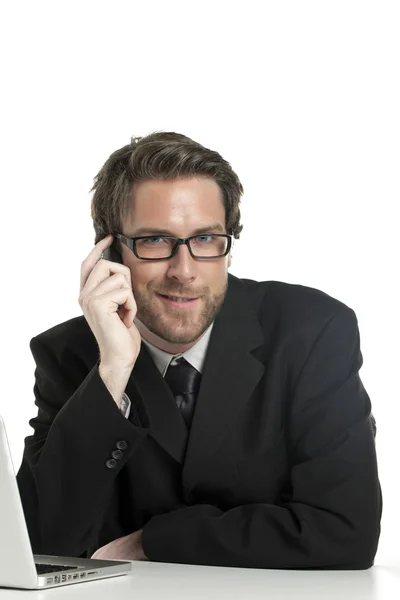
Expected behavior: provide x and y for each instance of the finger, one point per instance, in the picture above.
(106, 281)
(93, 257)
(123, 304)
(104, 271)
(127, 311)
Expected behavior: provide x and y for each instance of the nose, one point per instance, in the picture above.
(182, 266)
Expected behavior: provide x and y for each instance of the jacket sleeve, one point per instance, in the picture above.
(64, 481)
(330, 518)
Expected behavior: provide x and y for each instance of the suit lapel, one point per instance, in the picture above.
(147, 387)
(229, 377)
(167, 426)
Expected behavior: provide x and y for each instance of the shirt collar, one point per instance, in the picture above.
(195, 355)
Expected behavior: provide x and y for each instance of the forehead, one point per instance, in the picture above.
(176, 199)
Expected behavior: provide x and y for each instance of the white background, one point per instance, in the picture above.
(302, 98)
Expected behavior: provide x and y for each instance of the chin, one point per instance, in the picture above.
(177, 334)
(171, 335)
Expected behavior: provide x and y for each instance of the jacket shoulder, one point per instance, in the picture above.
(70, 343)
(292, 301)
(69, 330)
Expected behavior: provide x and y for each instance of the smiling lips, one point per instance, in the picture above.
(178, 301)
(178, 298)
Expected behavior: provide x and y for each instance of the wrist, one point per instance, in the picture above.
(115, 367)
(115, 378)
(141, 554)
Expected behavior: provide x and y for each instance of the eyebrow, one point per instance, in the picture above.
(150, 230)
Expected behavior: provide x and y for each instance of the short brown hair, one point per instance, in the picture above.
(164, 156)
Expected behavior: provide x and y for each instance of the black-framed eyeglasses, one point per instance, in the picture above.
(213, 245)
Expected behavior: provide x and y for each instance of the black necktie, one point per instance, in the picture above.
(184, 381)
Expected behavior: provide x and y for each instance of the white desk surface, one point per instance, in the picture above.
(170, 581)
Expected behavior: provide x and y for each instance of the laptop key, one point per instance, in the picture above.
(41, 568)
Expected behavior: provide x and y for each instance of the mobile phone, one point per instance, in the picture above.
(113, 253)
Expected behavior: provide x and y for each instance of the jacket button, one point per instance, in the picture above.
(122, 445)
(117, 454)
(111, 463)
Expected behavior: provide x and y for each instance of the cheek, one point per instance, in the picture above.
(213, 282)
(148, 279)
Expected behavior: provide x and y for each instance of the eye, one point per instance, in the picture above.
(150, 240)
(204, 236)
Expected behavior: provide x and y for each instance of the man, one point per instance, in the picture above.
(265, 459)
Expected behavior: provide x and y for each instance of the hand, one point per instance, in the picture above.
(128, 547)
(105, 289)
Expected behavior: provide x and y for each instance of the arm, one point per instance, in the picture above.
(64, 483)
(331, 517)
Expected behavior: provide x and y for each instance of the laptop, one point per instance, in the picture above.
(19, 567)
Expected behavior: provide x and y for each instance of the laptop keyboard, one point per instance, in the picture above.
(42, 569)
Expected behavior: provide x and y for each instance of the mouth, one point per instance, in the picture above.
(181, 303)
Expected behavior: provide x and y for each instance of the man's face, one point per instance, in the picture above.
(179, 207)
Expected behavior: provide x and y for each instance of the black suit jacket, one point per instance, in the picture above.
(278, 470)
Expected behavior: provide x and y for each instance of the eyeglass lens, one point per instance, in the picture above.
(202, 246)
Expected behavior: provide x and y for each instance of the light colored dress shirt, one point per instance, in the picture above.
(195, 356)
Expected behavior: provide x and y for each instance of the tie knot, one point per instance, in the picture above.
(182, 378)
